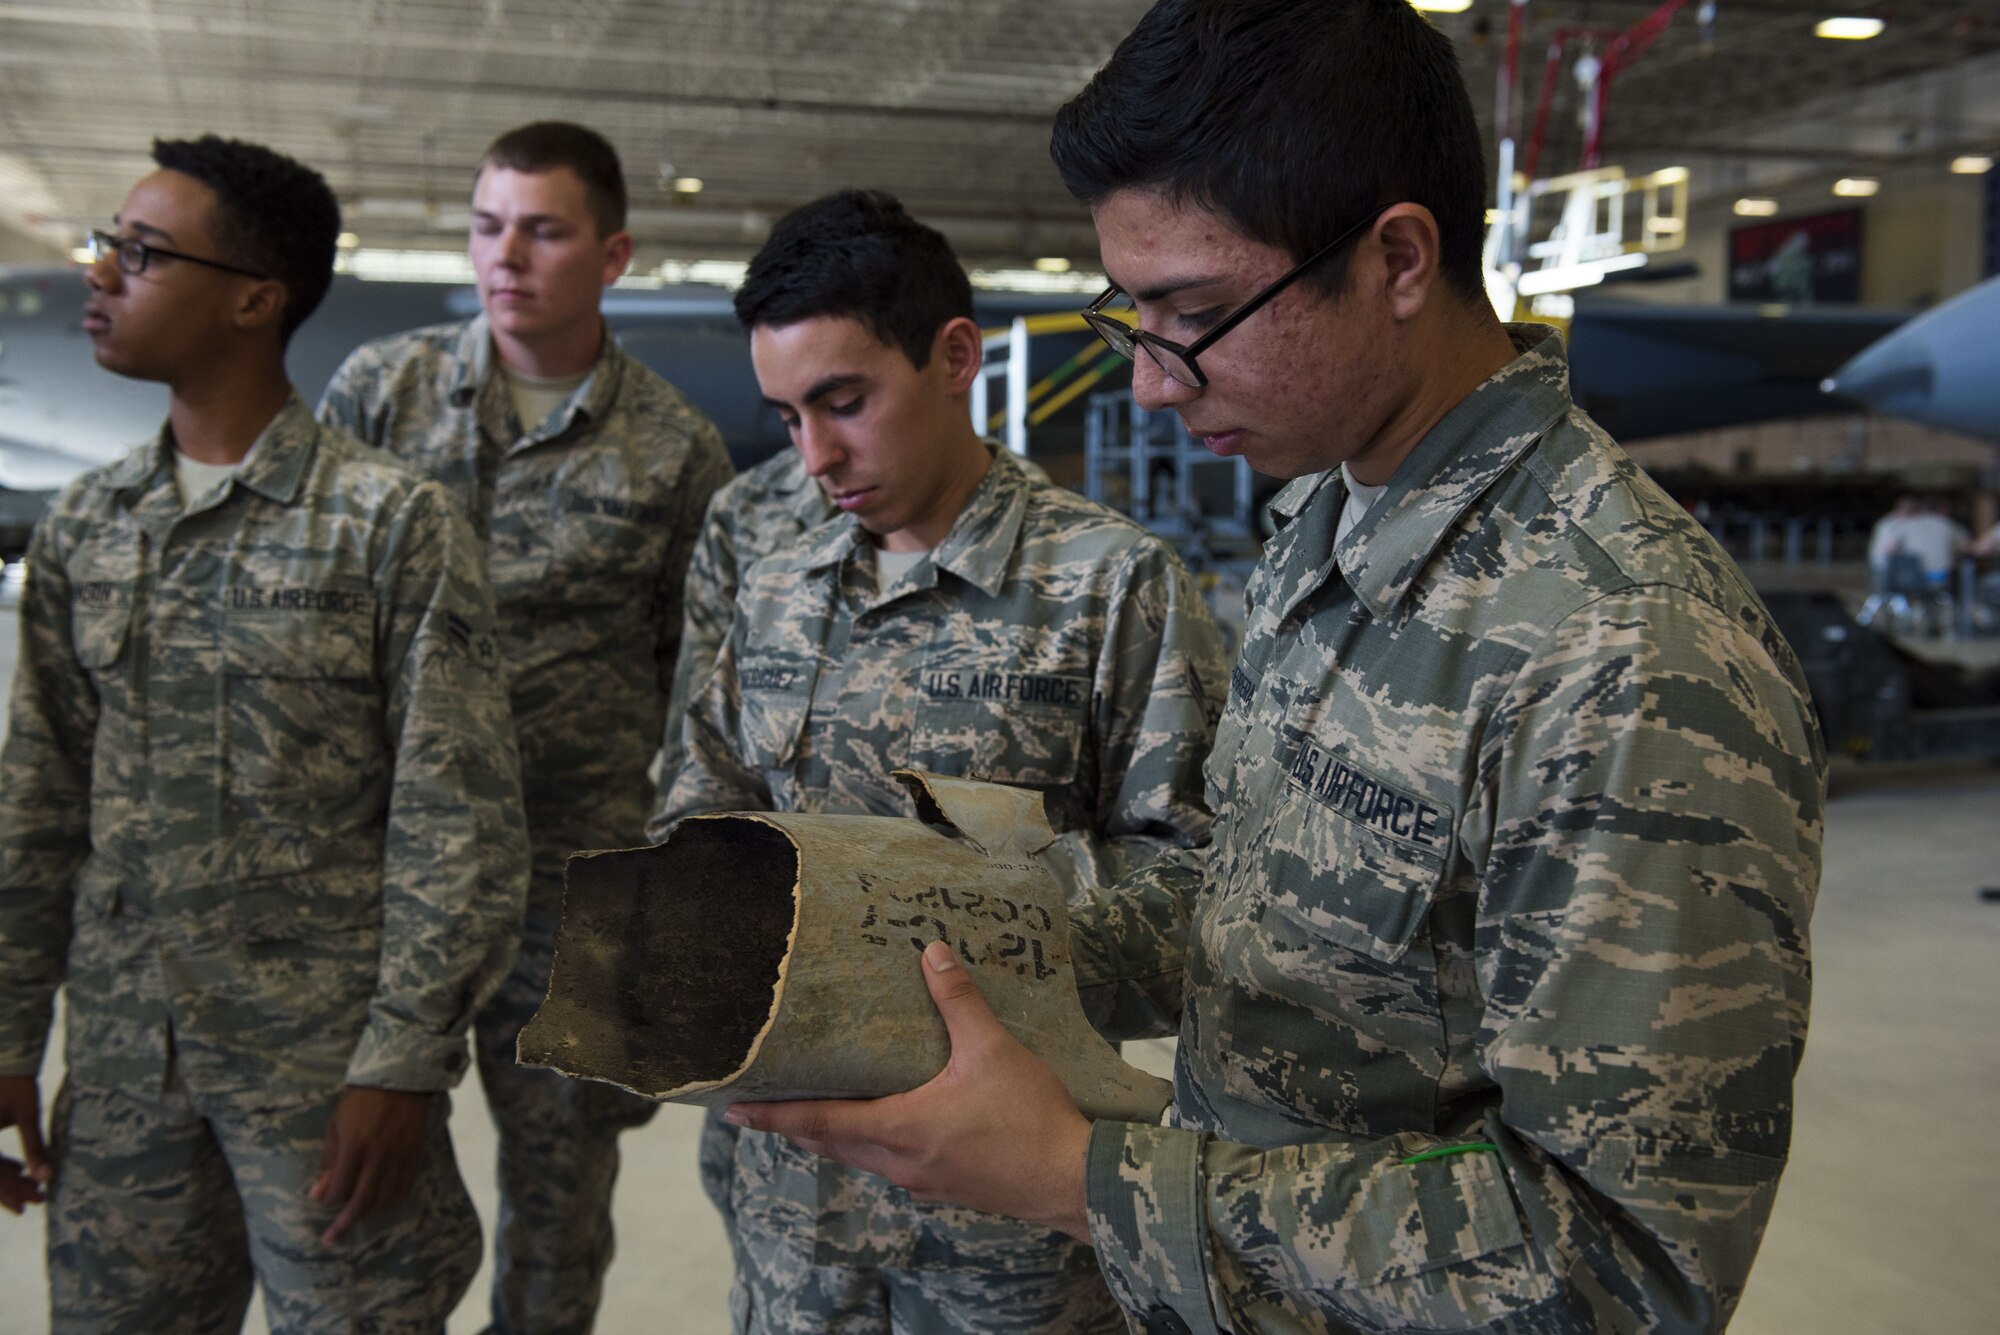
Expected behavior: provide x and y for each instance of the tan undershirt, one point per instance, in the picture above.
(535, 397)
(197, 481)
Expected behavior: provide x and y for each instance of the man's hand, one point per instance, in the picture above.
(22, 1180)
(995, 1130)
(375, 1144)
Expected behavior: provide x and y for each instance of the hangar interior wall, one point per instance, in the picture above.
(20, 248)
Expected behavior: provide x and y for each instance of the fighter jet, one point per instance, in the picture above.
(1941, 368)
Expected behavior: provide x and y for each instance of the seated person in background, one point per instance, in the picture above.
(1921, 528)
(953, 615)
(1885, 539)
(260, 810)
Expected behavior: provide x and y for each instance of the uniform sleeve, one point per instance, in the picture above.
(708, 602)
(1129, 945)
(344, 404)
(455, 871)
(706, 471)
(1155, 699)
(1159, 694)
(712, 775)
(44, 806)
(1648, 837)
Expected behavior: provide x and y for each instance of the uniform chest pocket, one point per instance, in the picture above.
(100, 606)
(302, 703)
(1352, 856)
(1331, 1017)
(772, 725)
(1024, 729)
(98, 634)
(602, 550)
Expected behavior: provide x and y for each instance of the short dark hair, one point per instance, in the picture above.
(858, 255)
(546, 145)
(1292, 119)
(272, 214)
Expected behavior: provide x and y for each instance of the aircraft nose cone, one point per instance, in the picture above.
(1887, 372)
(1942, 368)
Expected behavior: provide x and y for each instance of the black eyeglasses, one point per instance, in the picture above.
(1177, 359)
(134, 255)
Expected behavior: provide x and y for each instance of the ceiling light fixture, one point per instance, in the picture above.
(1756, 208)
(687, 185)
(1035, 280)
(1972, 164)
(1052, 264)
(1848, 29)
(347, 240)
(1441, 6)
(405, 266)
(1856, 187)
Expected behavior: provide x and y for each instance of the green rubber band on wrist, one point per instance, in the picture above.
(1446, 1151)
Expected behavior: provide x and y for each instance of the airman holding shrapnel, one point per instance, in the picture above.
(1492, 983)
(954, 615)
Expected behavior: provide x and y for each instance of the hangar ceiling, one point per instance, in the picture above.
(946, 102)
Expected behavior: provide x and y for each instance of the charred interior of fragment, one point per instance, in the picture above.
(668, 962)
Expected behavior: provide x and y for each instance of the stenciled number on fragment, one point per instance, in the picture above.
(984, 928)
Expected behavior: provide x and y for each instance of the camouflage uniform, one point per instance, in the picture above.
(1046, 642)
(1518, 812)
(755, 514)
(260, 814)
(588, 518)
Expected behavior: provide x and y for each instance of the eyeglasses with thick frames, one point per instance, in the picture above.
(134, 255)
(1177, 360)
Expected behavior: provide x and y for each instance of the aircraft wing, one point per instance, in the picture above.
(1647, 370)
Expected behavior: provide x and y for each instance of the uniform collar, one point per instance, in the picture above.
(802, 496)
(980, 546)
(478, 382)
(138, 467)
(274, 468)
(1451, 467)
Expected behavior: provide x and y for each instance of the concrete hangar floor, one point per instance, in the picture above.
(1885, 1220)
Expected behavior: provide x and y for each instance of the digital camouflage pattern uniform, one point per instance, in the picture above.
(765, 508)
(588, 518)
(755, 513)
(1518, 805)
(1046, 642)
(758, 512)
(260, 815)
